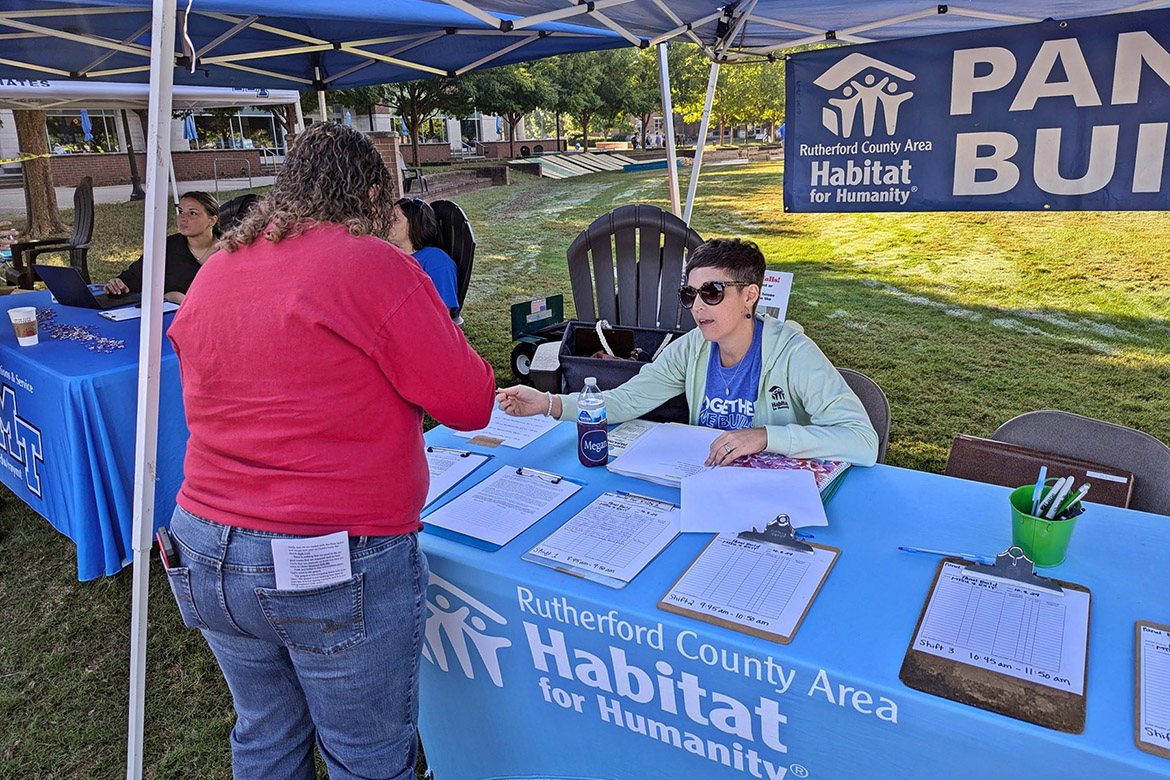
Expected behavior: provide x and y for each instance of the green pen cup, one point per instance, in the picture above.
(1044, 541)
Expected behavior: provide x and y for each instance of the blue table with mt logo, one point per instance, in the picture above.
(68, 432)
(532, 673)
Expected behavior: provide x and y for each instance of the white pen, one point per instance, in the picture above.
(1051, 494)
(1071, 502)
(1056, 502)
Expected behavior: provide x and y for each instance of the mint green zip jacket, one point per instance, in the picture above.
(805, 405)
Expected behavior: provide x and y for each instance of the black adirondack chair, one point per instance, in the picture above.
(457, 239)
(627, 267)
(25, 253)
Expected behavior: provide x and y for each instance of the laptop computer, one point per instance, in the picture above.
(70, 289)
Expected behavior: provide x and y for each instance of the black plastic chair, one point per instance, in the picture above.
(651, 247)
(457, 239)
(877, 406)
(411, 175)
(232, 211)
(525, 151)
(25, 253)
(1076, 436)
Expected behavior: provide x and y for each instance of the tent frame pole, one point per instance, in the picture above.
(712, 80)
(158, 153)
(668, 128)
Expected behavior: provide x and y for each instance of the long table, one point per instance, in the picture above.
(529, 672)
(68, 431)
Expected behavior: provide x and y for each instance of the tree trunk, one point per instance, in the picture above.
(585, 132)
(415, 121)
(513, 119)
(645, 121)
(558, 131)
(40, 199)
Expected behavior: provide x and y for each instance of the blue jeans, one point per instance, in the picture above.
(338, 663)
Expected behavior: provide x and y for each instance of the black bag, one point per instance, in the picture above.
(580, 344)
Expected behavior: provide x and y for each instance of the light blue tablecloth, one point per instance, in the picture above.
(68, 432)
(529, 672)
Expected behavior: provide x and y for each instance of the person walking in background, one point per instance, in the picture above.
(309, 351)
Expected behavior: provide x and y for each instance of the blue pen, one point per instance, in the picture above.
(1038, 490)
(988, 559)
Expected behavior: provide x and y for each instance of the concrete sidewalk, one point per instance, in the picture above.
(12, 200)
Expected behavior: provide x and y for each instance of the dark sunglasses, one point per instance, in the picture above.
(710, 292)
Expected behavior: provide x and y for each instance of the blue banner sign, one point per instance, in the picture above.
(1066, 115)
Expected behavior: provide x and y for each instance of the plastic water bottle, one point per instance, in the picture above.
(592, 435)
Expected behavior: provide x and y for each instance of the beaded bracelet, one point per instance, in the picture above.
(549, 412)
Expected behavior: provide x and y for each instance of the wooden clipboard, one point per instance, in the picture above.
(999, 693)
(746, 629)
(1137, 694)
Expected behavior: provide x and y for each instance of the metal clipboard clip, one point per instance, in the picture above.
(641, 499)
(780, 533)
(436, 448)
(547, 476)
(1017, 568)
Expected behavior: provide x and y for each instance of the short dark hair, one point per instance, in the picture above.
(421, 222)
(743, 259)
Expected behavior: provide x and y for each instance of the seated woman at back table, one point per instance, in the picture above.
(761, 381)
(187, 250)
(414, 229)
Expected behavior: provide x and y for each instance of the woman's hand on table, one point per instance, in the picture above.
(524, 401)
(735, 444)
(116, 287)
(174, 296)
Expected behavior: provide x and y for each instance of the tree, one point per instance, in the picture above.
(643, 98)
(574, 79)
(510, 92)
(40, 199)
(414, 101)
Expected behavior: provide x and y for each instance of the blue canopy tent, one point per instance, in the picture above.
(305, 44)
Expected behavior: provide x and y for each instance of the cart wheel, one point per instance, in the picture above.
(522, 355)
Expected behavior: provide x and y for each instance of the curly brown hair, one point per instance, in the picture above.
(332, 174)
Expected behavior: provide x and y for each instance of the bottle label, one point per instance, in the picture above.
(593, 444)
(591, 416)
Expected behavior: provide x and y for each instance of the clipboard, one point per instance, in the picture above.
(1148, 747)
(484, 544)
(779, 533)
(587, 572)
(998, 692)
(431, 448)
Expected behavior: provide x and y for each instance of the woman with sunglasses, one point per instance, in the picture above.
(761, 381)
(309, 350)
(414, 229)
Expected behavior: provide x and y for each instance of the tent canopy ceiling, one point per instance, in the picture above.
(307, 44)
(49, 95)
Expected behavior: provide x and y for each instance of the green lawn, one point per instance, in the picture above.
(964, 319)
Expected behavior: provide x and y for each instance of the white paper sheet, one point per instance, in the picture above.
(1154, 661)
(754, 584)
(311, 563)
(667, 454)
(134, 312)
(501, 507)
(512, 431)
(730, 500)
(614, 537)
(1022, 632)
(622, 436)
(448, 468)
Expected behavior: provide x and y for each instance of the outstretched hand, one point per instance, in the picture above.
(524, 401)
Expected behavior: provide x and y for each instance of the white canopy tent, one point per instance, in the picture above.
(310, 45)
(51, 94)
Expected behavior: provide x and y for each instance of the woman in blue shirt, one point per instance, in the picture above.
(414, 229)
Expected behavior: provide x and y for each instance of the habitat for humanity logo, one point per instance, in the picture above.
(858, 93)
(458, 616)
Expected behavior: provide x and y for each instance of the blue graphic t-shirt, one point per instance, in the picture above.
(729, 402)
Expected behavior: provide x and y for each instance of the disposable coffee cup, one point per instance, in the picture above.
(1044, 541)
(24, 322)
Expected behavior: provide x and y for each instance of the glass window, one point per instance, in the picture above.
(433, 130)
(66, 135)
